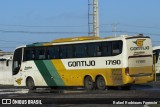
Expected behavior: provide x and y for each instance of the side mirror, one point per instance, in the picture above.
(7, 62)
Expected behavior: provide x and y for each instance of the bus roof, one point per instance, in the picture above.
(72, 39)
(79, 40)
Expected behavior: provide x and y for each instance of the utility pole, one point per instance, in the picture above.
(93, 18)
(114, 29)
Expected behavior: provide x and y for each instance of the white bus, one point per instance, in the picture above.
(89, 62)
(156, 52)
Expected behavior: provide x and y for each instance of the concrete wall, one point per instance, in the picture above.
(6, 71)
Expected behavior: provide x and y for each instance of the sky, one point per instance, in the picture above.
(29, 21)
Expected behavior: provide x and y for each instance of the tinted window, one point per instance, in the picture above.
(70, 51)
(97, 49)
(94, 49)
(91, 50)
(106, 49)
(63, 52)
(66, 52)
(116, 47)
(27, 54)
(80, 50)
(30, 54)
(40, 53)
(52, 52)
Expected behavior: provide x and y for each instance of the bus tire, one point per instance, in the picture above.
(88, 83)
(30, 84)
(100, 83)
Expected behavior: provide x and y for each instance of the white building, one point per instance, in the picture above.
(6, 68)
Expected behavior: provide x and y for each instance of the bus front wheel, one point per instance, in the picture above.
(100, 83)
(88, 83)
(30, 83)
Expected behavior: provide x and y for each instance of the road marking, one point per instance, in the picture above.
(13, 91)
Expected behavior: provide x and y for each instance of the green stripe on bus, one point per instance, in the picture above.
(45, 73)
(36, 44)
(53, 72)
(49, 73)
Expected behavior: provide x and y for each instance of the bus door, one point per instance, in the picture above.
(17, 60)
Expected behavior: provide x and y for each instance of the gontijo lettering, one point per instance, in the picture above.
(139, 48)
(81, 63)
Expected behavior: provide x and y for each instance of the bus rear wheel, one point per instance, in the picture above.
(88, 83)
(30, 83)
(100, 83)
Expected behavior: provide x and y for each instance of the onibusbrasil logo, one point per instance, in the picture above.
(21, 101)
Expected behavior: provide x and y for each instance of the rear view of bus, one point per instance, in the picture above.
(140, 60)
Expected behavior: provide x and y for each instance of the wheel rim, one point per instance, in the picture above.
(88, 83)
(101, 83)
(30, 83)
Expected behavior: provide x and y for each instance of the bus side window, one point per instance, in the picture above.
(116, 47)
(98, 49)
(52, 52)
(94, 50)
(69, 51)
(47, 55)
(33, 54)
(63, 52)
(91, 50)
(106, 49)
(41, 53)
(80, 50)
(27, 54)
(55, 52)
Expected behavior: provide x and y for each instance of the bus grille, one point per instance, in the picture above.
(117, 77)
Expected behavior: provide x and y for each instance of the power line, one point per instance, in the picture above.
(37, 32)
(118, 24)
(13, 41)
(130, 32)
(40, 25)
(138, 26)
(8, 47)
(135, 26)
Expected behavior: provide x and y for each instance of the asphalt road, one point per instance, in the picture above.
(139, 95)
